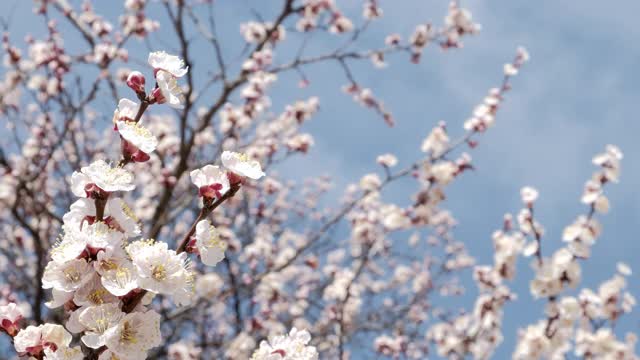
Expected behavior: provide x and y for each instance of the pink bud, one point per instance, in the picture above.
(130, 151)
(140, 156)
(191, 246)
(233, 178)
(156, 94)
(136, 81)
(211, 191)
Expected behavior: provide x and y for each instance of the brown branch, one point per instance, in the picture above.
(185, 151)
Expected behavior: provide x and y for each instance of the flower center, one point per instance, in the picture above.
(71, 274)
(107, 265)
(243, 157)
(128, 333)
(214, 239)
(123, 276)
(159, 272)
(97, 296)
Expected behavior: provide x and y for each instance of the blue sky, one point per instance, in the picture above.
(577, 94)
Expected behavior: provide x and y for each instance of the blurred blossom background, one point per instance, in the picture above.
(578, 93)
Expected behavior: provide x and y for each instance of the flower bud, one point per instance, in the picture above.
(211, 191)
(157, 96)
(136, 81)
(233, 177)
(130, 151)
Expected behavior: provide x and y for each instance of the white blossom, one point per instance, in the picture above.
(59, 298)
(341, 24)
(370, 182)
(241, 346)
(171, 92)
(138, 136)
(437, 142)
(295, 346)
(97, 320)
(134, 335)
(172, 64)
(208, 285)
(34, 339)
(102, 175)
(210, 247)
(510, 69)
(126, 111)
(253, 32)
(117, 272)
(610, 162)
(211, 181)
(73, 243)
(93, 293)
(528, 194)
(122, 217)
(183, 350)
(64, 353)
(242, 165)
(159, 269)
(623, 268)
(387, 160)
(67, 276)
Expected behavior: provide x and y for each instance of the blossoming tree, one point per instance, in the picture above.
(182, 243)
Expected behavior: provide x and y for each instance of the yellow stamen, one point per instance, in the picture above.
(128, 333)
(159, 272)
(97, 296)
(127, 211)
(71, 274)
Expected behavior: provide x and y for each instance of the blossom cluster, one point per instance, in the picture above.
(131, 271)
(293, 346)
(577, 322)
(98, 269)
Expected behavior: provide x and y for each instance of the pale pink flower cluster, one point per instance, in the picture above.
(50, 339)
(279, 263)
(256, 32)
(283, 132)
(96, 272)
(483, 116)
(315, 10)
(390, 346)
(295, 346)
(437, 142)
(570, 324)
(458, 23)
(422, 35)
(183, 350)
(91, 272)
(577, 322)
(167, 69)
(371, 10)
(478, 333)
(134, 20)
(100, 177)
